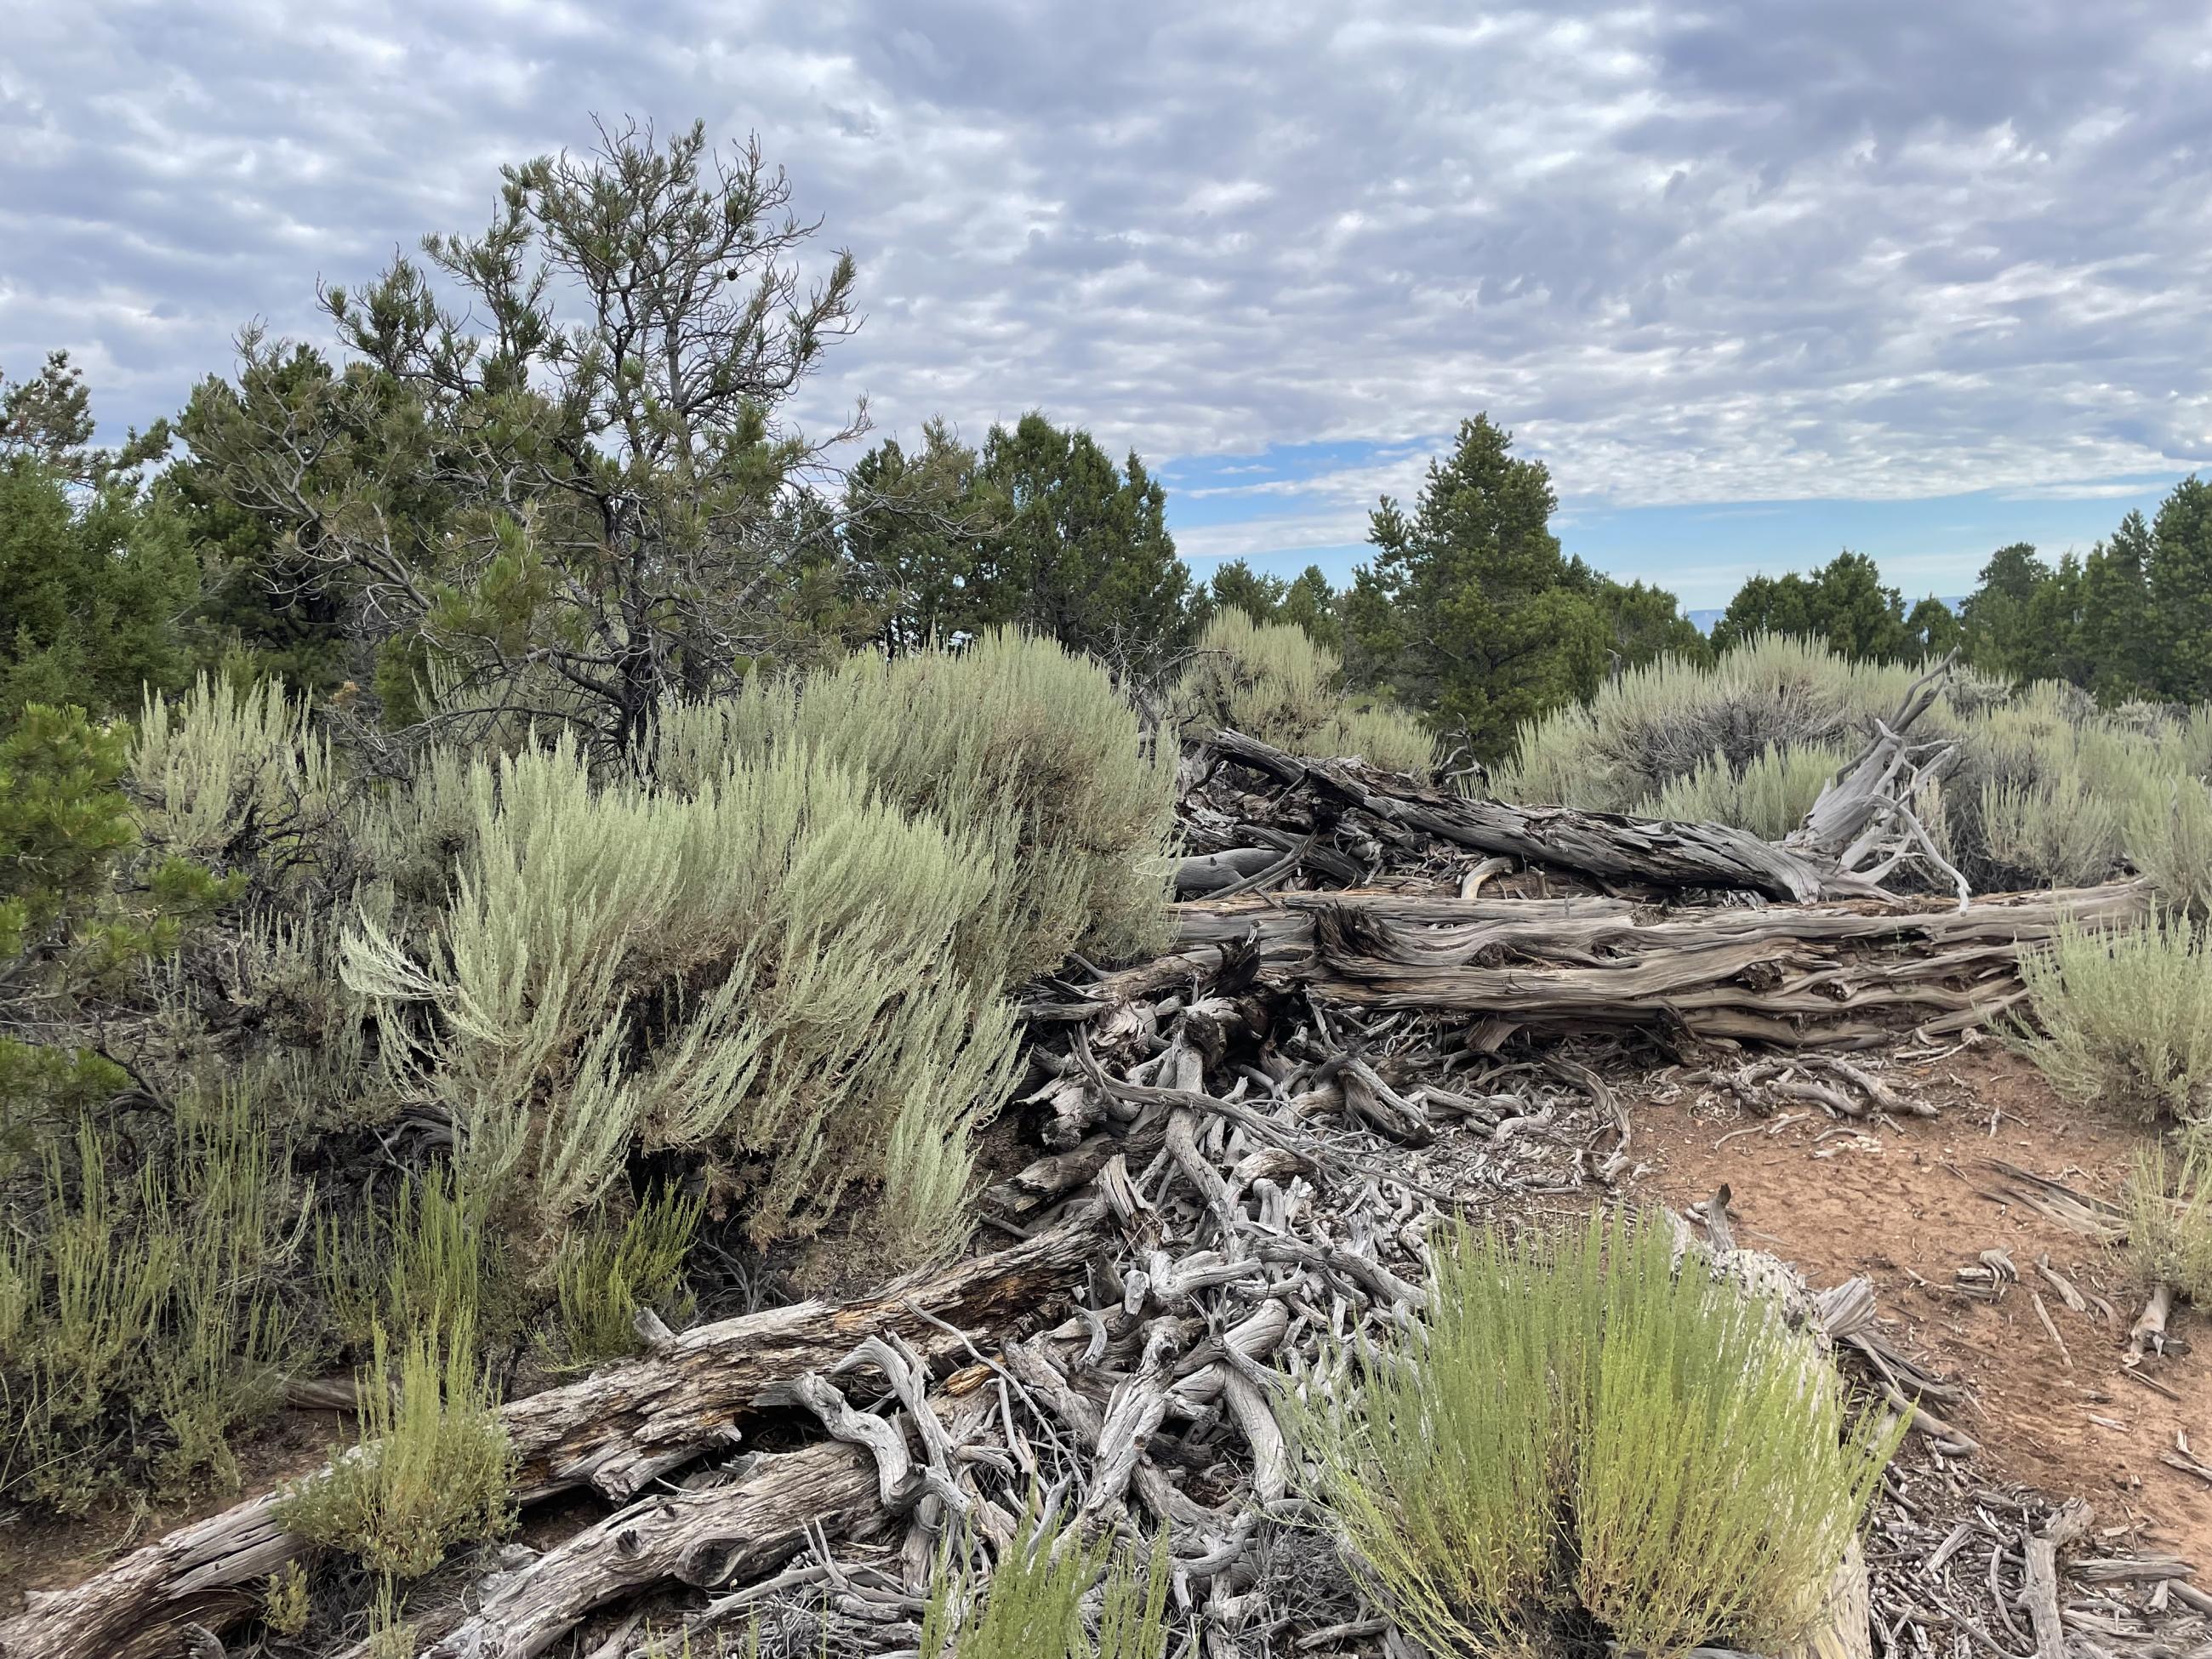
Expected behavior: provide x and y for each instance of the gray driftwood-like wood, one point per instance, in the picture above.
(613, 1430)
(1838, 974)
(709, 1539)
(1610, 846)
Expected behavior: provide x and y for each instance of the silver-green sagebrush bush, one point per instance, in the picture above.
(2124, 1017)
(1272, 682)
(2047, 789)
(765, 969)
(1013, 745)
(2169, 1240)
(1577, 1428)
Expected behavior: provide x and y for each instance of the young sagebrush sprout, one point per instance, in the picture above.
(284, 1602)
(1034, 1602)
(1574, 1428)
(434, 1467)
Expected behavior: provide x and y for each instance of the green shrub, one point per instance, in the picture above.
(1666, 719)
(1015, 745)
(605, 1273)
(64, 819)
(434, 1467)
(1575, 1423)
(286, 1604)
(774, 966)
(423, 1262)
(2170, 1225)
(140, 1318)
(1768, 796)
(2169, 840)
(1033, 1604)
(2125, 1017)
(1272, 682)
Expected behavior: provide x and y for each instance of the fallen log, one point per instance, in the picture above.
(720, 1536)
(1610, 846)
(613, 1430)
(1791, 974)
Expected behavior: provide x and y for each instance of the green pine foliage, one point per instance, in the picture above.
(1469, 611)
(1844, 602)
(64, 819)
(1575, 1424)
(95, 582)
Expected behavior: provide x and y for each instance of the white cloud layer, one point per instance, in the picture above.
(1743, 251)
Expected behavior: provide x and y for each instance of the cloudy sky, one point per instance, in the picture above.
(1757, 281)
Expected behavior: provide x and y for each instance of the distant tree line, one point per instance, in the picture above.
(468, 508)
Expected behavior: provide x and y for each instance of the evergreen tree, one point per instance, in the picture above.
(1082, 553)
(2115, 630)
(97, 579)
(619, 517)
(1932, 629)
(914, 535)
(1309, 603)
(1843, 601)
(2052, 649)
(1643, 622)
(267, 591)
(1765, 605)
(1236, 584)
(1998, 617)
(1468, 610)
(2179, 578)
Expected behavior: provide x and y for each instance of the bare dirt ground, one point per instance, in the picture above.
(1907, 1204)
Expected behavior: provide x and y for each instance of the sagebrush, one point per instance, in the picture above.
(1272, 681)
(2124, 1017)
(1576, 1424)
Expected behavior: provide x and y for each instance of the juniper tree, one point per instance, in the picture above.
(1467, 611)
(595, 390)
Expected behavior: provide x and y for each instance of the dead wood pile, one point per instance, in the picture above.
(1245, 1146)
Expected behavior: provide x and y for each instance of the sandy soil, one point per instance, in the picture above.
(1907, 1205)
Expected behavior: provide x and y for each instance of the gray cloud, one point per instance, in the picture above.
(1754, 251)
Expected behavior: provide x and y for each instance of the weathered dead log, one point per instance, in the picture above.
(708, 1538)
(614, 1429)
(2040, 1592)
(1208, 872)
(1789, 974)
(1610, 846)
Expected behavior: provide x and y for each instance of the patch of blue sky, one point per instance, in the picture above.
(1294, 505)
